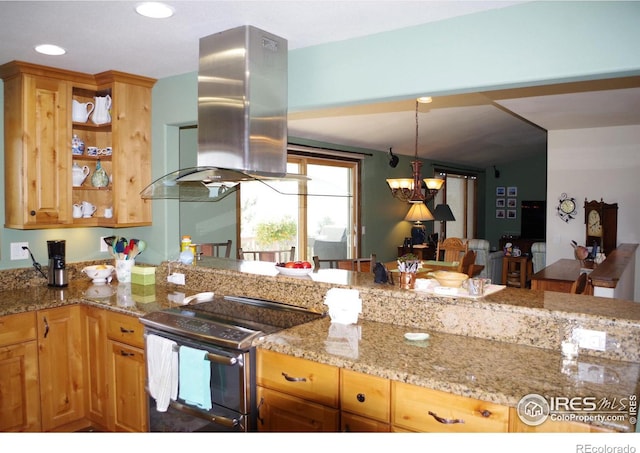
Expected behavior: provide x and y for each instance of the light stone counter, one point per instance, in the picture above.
(498, 348)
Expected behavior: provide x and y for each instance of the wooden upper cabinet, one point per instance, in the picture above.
(38, 159)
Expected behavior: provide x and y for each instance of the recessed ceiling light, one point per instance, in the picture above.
(50, 49)
(425, 100)
(154, 10)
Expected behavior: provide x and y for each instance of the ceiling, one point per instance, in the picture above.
(479, 129)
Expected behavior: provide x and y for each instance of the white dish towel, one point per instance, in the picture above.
(162, 367)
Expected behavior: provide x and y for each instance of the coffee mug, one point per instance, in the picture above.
(92, 150)
(108, 213)
(88, 209)
(77, 211)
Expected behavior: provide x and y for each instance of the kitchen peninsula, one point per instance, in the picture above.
(493, 350)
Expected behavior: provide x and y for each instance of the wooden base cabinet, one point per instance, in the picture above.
(550, 426)
(365, 402)
(296, 394)
(62, 390)
(19, 384)
(126, 374)
(421, 409)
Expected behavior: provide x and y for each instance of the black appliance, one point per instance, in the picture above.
(533, 219)
(225, 329)
(57, 272)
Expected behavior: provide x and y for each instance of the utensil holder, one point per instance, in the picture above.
(123, 270)
(407, 280)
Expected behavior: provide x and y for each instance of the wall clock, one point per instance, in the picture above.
(567, 207)
(601, 224)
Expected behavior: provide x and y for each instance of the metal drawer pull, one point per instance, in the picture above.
(123, 330)
(445, 421)
(215, 358)
(46, 327)
(485, 413)
(360, 397)
(126, 354)
(293, 379)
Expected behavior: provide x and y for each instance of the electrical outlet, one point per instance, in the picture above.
(104, 247)
(17, 252)
(591, 339)
(176, 278)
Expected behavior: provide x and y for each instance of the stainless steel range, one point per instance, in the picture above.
(224, 330)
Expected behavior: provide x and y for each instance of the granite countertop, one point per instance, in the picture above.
(487, 370)
(482, 349)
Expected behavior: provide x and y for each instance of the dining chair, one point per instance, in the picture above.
(467, 263)
(453, 249)
(216, 249)
(274, 256)
(580, 285)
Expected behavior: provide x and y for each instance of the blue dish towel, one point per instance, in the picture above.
(195, 377)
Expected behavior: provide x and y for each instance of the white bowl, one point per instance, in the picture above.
(292, 271)
(99, 272)
(203, 297)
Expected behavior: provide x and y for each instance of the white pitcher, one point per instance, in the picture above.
(80, 111)
(101, 113)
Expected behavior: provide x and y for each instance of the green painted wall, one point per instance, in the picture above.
(529, 44)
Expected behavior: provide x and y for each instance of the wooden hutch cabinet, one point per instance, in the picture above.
(38, 158)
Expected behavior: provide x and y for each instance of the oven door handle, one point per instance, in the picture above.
(223, 421)
(216, 358)
(223, 360)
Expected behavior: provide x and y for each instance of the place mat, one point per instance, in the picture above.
(432, 287)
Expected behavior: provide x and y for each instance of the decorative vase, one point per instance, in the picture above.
(99, 177)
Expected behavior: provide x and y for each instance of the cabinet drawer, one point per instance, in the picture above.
(17, 328)
(126, 329)
(355, 424)
(299, 377)
(365, 395)
(418, 409)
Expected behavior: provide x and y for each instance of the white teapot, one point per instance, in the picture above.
(101, 111)
(79, 174)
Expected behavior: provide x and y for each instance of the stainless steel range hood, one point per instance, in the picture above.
(242, 117)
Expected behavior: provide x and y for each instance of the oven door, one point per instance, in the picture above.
(232, 393)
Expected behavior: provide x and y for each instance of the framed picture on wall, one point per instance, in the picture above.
(500, 203)
(512, 202)
(500, 192)
(512, 191)
(511, 213)
(499, 213)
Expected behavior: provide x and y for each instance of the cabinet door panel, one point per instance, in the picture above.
(127, 376)
(279, 412)
(60, 360)
(19, 389)
(96, 356)
(366, 395)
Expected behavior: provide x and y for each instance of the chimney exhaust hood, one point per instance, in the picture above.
(242, 118)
